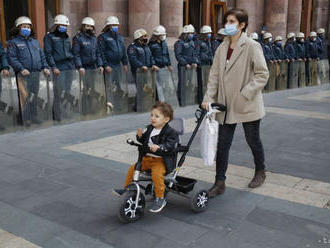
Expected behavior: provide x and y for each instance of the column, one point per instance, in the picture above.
(38, 19)
(144, 14)
(99, 10)
(255, 10)
(171, 16)
(294, 16)
(276, 16)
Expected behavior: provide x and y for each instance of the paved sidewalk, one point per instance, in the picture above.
(55, 184)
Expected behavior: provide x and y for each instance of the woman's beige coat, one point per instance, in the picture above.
(238, 83)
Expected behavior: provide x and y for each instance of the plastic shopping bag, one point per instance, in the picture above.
(209, 138)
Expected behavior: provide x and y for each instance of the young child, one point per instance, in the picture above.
(161, 158)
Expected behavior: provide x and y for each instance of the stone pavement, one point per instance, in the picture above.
(55, 184)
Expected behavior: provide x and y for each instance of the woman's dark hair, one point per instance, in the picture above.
(165, 108)
(16, 31)
(153, 38)
(183, 36)
(240, 14)
(82, 29)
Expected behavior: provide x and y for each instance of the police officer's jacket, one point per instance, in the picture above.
(112, 49)
(139, 55)
(301, 50)
(25, 53)
(312, 51)
(205, 53)
(86, 52)
(215, 44)
(186, 52)
(290, 50)
(279, 53)
(160, 53)
(58, 50)
(3, 59)
(268, 51)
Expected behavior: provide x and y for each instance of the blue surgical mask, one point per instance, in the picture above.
(62, 29)
(26, 32)
(209, 36)
(279, 44)
(191, 36)
(231, 29)
(114, 29)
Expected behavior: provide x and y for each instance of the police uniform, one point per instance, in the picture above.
(215, 44)
(186, 54)
(139, 56)
(279, 53)
(300, 50)
(4, 64)
(25, 53)
(290, 50)
(268, 51)
(160, 53)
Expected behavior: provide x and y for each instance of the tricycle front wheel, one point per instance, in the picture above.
(127, 212)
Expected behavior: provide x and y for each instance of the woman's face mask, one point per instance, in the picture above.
(163, 37)
(26, 32)
(279, 44)
(231, 29)
(62, 29)
(114, 29)
(209, 36)
(191, 36)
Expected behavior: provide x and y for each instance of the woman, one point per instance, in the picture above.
(237, 77)
(25, 56)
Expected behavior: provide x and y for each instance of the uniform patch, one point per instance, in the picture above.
(131, 50)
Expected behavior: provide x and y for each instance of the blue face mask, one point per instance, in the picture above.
(191, 36)
(62, 29)
(114, 29)
(26, 32)
(279, 44)
(209, 36)
(231, 29)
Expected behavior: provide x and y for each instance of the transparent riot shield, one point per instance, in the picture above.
(270, 86)
(92, 95)
(301, 74)
(187, 86)
(166, 89)
(67, 95)
(278, 75)
(323, 71)
(9, 109)
(116, 91)
(283, 83)
(33, 98)
(293, 75)
(313, 72)
(146, 90)
(205, 76)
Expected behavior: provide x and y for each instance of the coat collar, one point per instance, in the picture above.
(236, 53)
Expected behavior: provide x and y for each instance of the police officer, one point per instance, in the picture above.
(321, 43)
(87, 57)
(140, 56)
(59, 56)
(289, 47)
(267, 47)
(279, 54)
(205, 57)
(25, 56)
(113, 52)
(218, 40)
(159, 48)
(312, 48)
(300, 47)
(4, 69)
(185, 53)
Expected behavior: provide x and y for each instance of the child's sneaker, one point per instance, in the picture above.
(158, 205)
(118, 192)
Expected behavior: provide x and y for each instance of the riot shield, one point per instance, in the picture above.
(166, 89)
(66, 96)
(278, 75)
(301, 74)
(313, 72)
(92, 100)
(323, 71)
(146, 90)
(9, 109)
(205, 76)
(283, 83)
(33, 98)
(187, 86)
(116, 91)
(270, 86)
(293, 75)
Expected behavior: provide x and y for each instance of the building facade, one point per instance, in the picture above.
(276, 16)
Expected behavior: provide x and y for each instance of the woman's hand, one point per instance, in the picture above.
(139, 132)
(154, 148)
(205, 105)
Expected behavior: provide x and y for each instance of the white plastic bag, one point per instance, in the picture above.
(209, 137)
